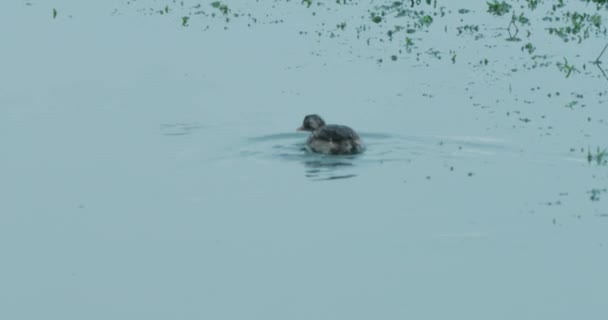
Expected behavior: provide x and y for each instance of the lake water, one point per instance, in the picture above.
(150, 166)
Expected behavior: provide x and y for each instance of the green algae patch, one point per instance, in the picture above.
(498, 8)
(599, 157)
(376, 18)
(220, 6)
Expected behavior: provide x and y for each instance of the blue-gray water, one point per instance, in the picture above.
(152, 171)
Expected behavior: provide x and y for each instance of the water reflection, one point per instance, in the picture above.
(328, 167)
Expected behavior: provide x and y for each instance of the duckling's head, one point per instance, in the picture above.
(311, 122)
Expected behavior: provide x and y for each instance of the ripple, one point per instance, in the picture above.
(381, 148)
(291, 147)
(277, 137)
(179, 129)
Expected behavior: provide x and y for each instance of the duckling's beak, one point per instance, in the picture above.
(300, 128)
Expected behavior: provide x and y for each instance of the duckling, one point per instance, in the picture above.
(330, 139)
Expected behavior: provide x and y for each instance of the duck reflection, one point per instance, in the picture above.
(330, 168)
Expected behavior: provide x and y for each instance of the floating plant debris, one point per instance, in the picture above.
(600, 157)
(220, 6)
(498, 8)
(567, 68)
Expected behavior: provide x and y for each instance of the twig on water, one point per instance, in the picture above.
(513, 37)
(598, 63)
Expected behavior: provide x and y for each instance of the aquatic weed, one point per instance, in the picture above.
(600, 157)
(185, 21)
(599, 3)
(578, 26)
(376, 18)
(567, 68)
(528, 47)
(220, 6)
(498, 8)
(596, 20)
(409, 44)
(595, 193)
(523, 20)
(54, 13)
(560, 4)
(390, 33)
(568, 23)
(425, 21)
(471, 28)
(571, 104)
(532, 4)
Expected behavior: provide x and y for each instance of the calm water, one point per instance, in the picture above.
(152, 171)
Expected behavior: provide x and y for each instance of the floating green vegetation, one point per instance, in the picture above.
(599, 3)
(415, 19)
(469, 28)
(434, 53)
(54, 13)
(376, 18)
(409, 44)
(532, 4)
(498, 8)
(523, 20)
(220, 6)
(600, 157)
(529, 47)
(540, 60)
(425, 21)
(560, 4)
(571, 104)
(595, 193)
(382, 21)
(567, 68)
(390, 33)
(579, 26)
(596, 20)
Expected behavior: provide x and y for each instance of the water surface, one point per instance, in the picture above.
(152, 170)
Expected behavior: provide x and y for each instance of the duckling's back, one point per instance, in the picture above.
(335, 139)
